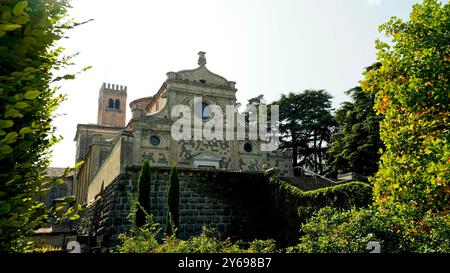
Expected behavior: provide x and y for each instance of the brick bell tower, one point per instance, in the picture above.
(112, 101)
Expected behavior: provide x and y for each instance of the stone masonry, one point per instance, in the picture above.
(202, 203)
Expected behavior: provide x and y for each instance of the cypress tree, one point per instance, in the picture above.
(143, 185)
(173, 202)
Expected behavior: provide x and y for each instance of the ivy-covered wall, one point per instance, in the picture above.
(291, 207)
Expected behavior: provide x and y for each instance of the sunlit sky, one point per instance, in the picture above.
(267, 47)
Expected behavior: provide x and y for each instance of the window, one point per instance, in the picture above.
(53, 194)
(206, 114)
(203, 111)
(111, 103)
(117, 104)
(248, 147)
(154, 140)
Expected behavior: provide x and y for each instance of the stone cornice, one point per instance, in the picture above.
(200, 84)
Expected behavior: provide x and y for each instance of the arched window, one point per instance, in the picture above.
(117, 104)
(202, 111)
(206, 114)
(111, 103)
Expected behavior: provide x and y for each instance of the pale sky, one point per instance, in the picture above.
(266, 46)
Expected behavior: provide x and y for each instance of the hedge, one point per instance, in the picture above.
(291, 207)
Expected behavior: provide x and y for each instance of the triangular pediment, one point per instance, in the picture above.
(207, 157)
(201, 75)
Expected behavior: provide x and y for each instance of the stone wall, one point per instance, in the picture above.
(197, 209)
(228, 202)
(105, 218)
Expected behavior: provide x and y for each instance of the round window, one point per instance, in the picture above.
(154, 140)
(248, 147)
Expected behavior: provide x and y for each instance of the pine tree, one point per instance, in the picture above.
(355, 146)
(143, 185)
(173, 201)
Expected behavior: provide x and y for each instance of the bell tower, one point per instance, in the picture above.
(112, 101)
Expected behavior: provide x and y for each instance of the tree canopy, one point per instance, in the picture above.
(306, 124)
(412, 92)
(356, 145)
(144, 188)
(28, 60)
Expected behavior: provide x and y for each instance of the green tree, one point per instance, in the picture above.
(144, 187)
(411, 187)
(412, 92)
(254, 102)
(306, 124)
(355, 146)
(173, 202)
(28, 59)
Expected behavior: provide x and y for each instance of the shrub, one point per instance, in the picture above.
(206, 242)
(143, 240)
(262, 246)
(173, 202)
(46, 249)
(350, 231)
(292, 207)
(139, 239)
(143, 185)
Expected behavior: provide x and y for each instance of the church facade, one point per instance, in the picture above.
(110, 147)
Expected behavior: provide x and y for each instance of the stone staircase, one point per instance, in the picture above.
(309, 180)
(308, 183)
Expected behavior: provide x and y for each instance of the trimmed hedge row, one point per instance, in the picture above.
(291, 207)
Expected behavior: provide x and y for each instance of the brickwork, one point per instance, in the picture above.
(112, 105)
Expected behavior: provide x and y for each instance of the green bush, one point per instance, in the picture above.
(262, 246)
(139, 239)
(143, 185)
(143, 240)
(173, 202)
(292, 207)
(206, 242)
(350, 231)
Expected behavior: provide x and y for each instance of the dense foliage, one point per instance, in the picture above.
(143, 185)
(28, 59)
(350, 232)
(207, 242)
(306, 125)
(146, 239)
(412, 92)
(252, 108)
(140, 238)
(411, 188)
(355, 146)
(292, 207)
(173, 203)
